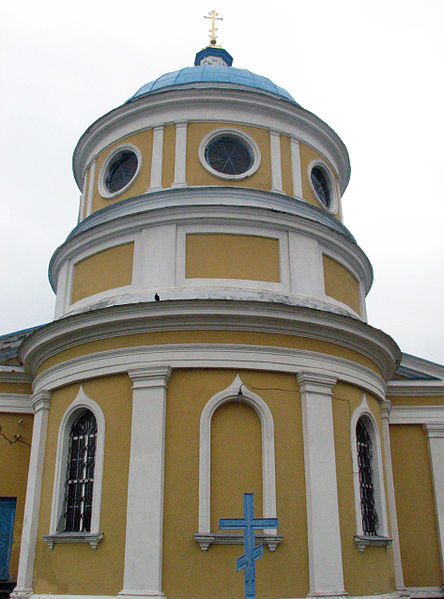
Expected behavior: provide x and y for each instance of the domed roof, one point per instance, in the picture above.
(213, 74)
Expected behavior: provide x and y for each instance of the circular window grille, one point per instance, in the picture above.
(229, 155)
(321, 185)
(121, 170)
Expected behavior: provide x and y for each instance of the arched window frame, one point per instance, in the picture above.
(93, 537)
(364, 413)
(205, 537)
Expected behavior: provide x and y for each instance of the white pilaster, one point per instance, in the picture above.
(144, 526)
(92, 174)
(435, 434)
(296, 167)
(157, 159)
(276, 165)
(181, 155)
(399, 576)
(324, 539)
(306, 270)
(40, 404)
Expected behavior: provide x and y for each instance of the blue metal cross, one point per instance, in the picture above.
(251, 553)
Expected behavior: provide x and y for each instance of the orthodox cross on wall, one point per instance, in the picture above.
(251, 553)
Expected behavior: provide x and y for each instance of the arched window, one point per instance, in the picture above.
(366, 486)
(79, 482)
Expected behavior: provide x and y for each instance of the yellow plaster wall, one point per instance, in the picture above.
(108, 269)
(144, 141)
(372, 571)
(225, 256)
(189, 572)
(287, 176)
(408, 400)
(242, 337)
(340, 284)
(18, 387)
(415, 506)
(169, 154)
(75, 568)
(307, 156)
(196, 174)
(14, 461)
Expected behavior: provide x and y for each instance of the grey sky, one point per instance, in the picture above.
(371, 70)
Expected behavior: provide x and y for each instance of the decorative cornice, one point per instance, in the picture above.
(41, 400)
(156, 376)
(14, 374)
(417, 415)
(313, 382)
(415, 388)
(364, 541)
(435, 430)
(250, 357)
(237, 104)
(211, 315)
(18, 403)
(93, 539)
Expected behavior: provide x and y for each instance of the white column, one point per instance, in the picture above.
(399, 576)
(296, 167)
(40, 404)
(92, 174)
(276, 166)
(156, 159)
(181, 156)
(324, 538)
(144, 525)
(435, 434)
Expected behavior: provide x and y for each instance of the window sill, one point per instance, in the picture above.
(364, 541)
(204, 540)
(93, 538)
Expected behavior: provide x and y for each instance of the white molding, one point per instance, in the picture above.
(324, 538)
(421, 388)
(180, 161)
(417, 414)
(92, 174)
(296, 171)
(432, 592)
(144, 518)
(231, 315)
(17, 403)
(81, 402)
(13, 373)
(333, 208)
(276, 162)
(40, 402)
(364, 541)
(397, 559)
(363, 411)
(93, 539)
(239, 105)
(157, 159)
(250, 357)
(105, 166)
(435, 436)
(228, 395)
(244, 137)
(429, 592)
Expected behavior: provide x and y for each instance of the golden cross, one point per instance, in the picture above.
(214, 16)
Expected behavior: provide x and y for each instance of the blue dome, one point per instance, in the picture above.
(213, 74)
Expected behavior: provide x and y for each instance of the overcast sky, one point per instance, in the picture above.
(373, 70)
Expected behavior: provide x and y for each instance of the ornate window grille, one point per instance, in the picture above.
(80, 473)
(367, 491)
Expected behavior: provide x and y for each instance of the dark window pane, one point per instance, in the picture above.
(121, 170)
(228, 155)
(321, 186)
(367, 491)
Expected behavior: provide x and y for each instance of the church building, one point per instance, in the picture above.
(210, 339)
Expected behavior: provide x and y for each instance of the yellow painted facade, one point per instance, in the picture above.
(308, 154)
(14, 461)
(376, 561)
(414, 502)
(108, 269)
(18, 387)
(202, 336)
(76, 568)
(213, 571)
(340, 284)
(142, 140)
(198, 175)
(226, 256)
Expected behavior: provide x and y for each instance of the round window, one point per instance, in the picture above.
(321, 185)
(121, 170)
(228, 155)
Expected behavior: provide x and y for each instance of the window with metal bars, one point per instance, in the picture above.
(367, 490)
(80, 474)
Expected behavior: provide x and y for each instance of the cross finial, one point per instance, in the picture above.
(214, 16)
